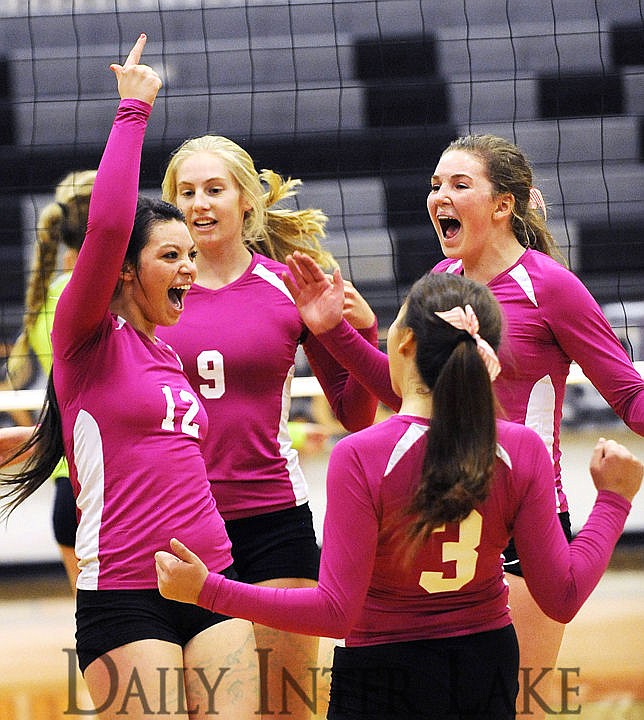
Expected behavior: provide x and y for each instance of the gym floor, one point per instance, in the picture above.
(601, 662)
(603, 648)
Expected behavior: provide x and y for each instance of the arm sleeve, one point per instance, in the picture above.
(86, 299)
(348, 554)
(352, 403)
(40, 334)
(561, 575)
(585, 335)
(367, 364)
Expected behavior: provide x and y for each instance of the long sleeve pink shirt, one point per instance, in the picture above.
(455, 584)
(132, 426)
(238, 346)
(551, 320)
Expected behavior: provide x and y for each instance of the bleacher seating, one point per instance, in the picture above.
(356, 97)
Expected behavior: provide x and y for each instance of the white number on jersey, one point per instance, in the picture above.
(210, 366)
(187, 425)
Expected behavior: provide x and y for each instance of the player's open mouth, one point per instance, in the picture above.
(176, 295)
(449, 226)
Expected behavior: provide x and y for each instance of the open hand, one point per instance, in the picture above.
(180, 576)
(137, 81)
(319, 297)
(614, 467)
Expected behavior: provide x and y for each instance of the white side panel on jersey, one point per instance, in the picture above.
(287, 451)
(272, 278)
(88, 457)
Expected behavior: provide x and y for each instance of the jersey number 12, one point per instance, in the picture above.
(187, 425)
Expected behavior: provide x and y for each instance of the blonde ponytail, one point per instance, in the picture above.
(61, 222)
(283, 231)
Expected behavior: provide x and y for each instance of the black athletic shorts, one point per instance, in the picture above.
(512, 564)
(107, 619)
(279, 544)
(470, 676)
(64, 513)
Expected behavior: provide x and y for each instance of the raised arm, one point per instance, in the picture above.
(85, 301)
(561, 576)
(331, 608)
(352, 403)
(321, 302)
(585, 335)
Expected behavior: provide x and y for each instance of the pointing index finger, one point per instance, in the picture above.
(136, 52)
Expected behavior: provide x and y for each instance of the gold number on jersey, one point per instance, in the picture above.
(463, 551)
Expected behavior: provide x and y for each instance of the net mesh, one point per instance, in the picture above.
(357, 98)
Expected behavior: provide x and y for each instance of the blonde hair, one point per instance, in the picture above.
(272, 231)
(510, 172)
(62, 221)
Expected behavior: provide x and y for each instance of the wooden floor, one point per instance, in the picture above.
(604, 646)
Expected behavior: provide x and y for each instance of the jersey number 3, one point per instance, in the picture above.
(464, 552)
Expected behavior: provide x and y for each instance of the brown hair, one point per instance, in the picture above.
(510, 172)
(461, 445)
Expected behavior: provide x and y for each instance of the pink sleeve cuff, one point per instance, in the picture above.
(208, 595)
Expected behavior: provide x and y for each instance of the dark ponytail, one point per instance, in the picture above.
(46, 444)
(45, 448)
(461, 446)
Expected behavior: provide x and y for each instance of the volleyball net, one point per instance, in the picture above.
(357, 98)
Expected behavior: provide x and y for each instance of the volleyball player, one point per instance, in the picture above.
(131, 428)
(420, 508)
(551, 320)
(237, 339)
(492, 228)
(62, 223)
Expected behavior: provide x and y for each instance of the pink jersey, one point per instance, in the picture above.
(551, 320)
(132, 426)
(455, 584)
(238, 346)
